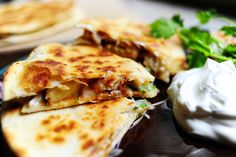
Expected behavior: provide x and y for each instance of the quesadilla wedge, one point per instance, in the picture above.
(27, 21)
(90, 130)
(133, 40)
(56, 76)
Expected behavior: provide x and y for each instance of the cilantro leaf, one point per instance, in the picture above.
(177, 19)
(201, 45)
(230, 51)
(205, 16)
(196, 59)
(165, 28)
(229, 30)
(201, 41)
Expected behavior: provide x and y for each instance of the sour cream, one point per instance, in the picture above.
(204, 101)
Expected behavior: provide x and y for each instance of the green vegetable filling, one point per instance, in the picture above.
(142, 104)
(147, 88)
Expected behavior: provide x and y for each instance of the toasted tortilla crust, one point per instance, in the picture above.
(21, 18)
(82, 131)
(227, 39)
(132, 40)
(52, 64)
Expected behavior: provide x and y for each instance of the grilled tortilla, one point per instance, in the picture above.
(27, 21)
(56, 76)
(90, 130)
(132, 40)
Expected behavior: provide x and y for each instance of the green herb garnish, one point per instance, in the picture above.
(201, 41)
(206, 16)
(230, 51)
(196, 59)
(202, 45)
(198, 43)
(229, 30)
(165, 28)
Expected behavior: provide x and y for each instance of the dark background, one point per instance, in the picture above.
(227, 7)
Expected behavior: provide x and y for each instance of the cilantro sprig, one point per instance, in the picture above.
(229, 30)
(199, 43)
(205, 16)
(165, 28)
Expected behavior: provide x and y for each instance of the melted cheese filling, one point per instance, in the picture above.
(93, 90)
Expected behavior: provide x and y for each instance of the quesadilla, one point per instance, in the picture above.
(226, 39)
(27, 21)
(90, 130)
(56, 76)
(133, 40)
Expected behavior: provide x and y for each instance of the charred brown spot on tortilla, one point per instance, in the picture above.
(76, 59)
(107, 68)
(88, 143)
(46, 122)
(83, 135)
(54, 117)
(57, 51)
(100, 123)
(58, 140)
(99, 62)
(82, 68)
(86, 61)
(104, 52)
(56, 68)
(86, 118)
(48, 62)
(35, 78)
(40, 137)
(65, 127)
(105, 106)
(60, 128)
(39, 73)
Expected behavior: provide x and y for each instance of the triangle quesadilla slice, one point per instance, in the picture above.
(79, 131)
(132, 40)
(57, 76)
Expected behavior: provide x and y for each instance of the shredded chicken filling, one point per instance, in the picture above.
(92, 90)
(156, 67)
(88, 91)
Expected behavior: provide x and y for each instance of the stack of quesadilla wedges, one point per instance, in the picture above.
(72, 101)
